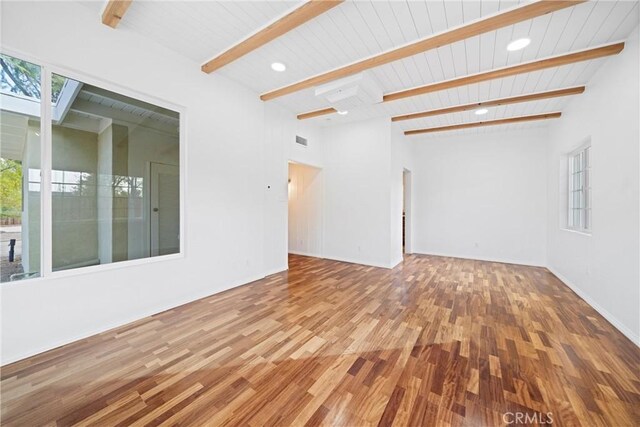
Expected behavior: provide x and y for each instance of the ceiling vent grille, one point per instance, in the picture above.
(302, 141)
(358, 90)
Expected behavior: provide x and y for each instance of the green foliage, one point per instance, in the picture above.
(57, 83)
(23, 78)
(10, 188)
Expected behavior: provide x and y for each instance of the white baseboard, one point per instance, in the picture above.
(597, 307)
(474, 258)
(396, 262)
(303, 253)
(146, 312)
(274, 271)
(357, 261)
(160, 308)
(349, 260)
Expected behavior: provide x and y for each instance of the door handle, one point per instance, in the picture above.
(155, 209)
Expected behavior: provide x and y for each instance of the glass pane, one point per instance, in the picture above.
(586, 173)
(19, 169)
(570, 201)
(19, 79)
(579, 161)
(587, 154)
(115, 177)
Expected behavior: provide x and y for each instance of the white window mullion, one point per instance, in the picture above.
(45, 171)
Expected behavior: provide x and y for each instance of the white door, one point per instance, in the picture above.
(165, 209)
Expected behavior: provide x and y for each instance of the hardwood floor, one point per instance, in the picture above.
(435, 341)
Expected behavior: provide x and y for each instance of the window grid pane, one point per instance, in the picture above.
(579, 203)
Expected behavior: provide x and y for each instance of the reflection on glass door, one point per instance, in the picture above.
(165, 209)
(102, 145)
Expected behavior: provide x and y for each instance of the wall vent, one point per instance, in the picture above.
(302, 141)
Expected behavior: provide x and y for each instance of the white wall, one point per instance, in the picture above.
(305, 210)
(407, 205)
(359, 191)
(357, 200)
(280, 130)
(481, 196)
(604, 267)
(236, 148)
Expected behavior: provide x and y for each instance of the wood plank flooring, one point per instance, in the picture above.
(435, 341)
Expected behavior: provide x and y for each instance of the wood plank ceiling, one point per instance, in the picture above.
(300, 15)
(357, 29)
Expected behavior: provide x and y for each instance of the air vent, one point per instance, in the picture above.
(300, 140)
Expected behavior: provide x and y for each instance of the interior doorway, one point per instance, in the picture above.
(305, 216)
(165, 209)
(406, 211)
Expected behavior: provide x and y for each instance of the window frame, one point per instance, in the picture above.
(585, 223)
(47, 69)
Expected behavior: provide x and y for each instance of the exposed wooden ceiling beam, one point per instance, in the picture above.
(114, 11)
(316, 113)
(480, 26)
(492, 103)
(486, 123)
(527, 67)
(291, 20)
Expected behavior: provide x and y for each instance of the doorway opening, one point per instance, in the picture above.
(406, 211)
(165, 209)
(305, 219)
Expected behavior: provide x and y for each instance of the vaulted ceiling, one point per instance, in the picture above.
(354, 30)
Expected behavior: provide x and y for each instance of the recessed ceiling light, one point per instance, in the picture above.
(343, 113)
(518, 44)
(481, 111)
(278, 66)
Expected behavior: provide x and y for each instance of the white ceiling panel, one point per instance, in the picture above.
(357, 29)
(201, 29)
